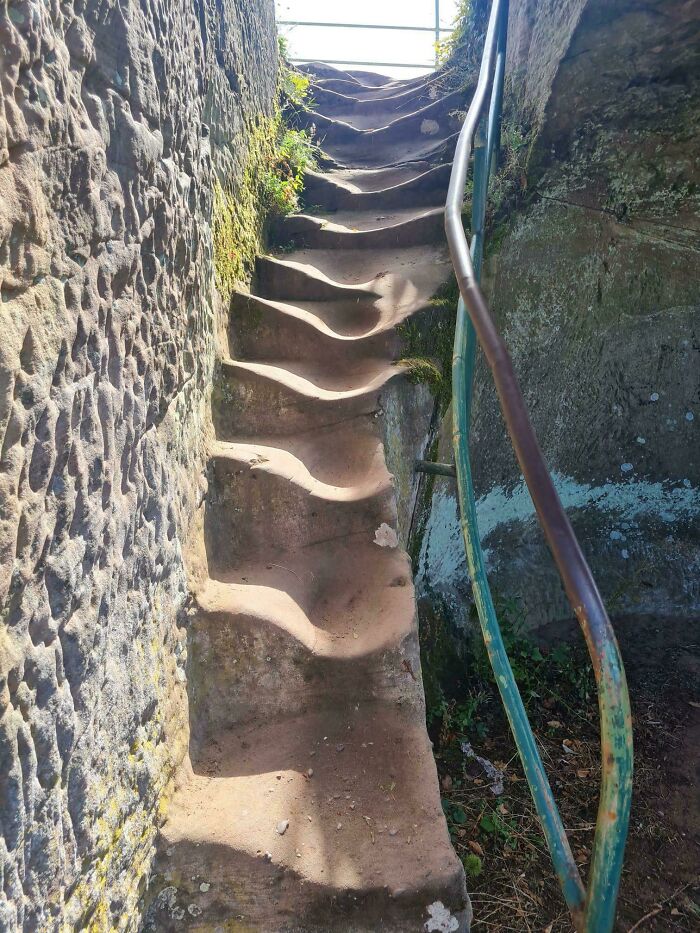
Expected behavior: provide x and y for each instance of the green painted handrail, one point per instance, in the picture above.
(592, 909)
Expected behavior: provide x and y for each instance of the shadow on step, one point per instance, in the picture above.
(302, 630)
(327, 821)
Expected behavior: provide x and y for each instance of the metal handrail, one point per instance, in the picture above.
(592, 910)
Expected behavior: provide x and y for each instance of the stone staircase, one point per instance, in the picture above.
(310, 801)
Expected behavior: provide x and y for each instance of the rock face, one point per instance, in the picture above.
(595, 287)
(113, 117)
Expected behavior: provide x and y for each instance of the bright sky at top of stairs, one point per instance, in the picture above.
(367, 45)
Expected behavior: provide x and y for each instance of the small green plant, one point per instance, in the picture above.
(431, 342)
(296, 87)
(460, 718)
(541, 675)
(421, 370)
(509, 182)
(283, 181)
(473, 865)
(500, 826)
(461, 49)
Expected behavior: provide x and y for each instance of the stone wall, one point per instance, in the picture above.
(114, 116)
(595, 284)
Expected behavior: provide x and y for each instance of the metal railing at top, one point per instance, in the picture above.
(436, 29)
(592, 909)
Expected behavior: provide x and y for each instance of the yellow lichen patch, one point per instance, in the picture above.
(127, 821)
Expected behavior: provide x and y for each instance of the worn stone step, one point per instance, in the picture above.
(334, 191)
(284, 399)
(263, 497)
(393, 276)
(415, 136)
(360, 84)
(372, 112)
(328, 821)
(417, 229)
(310, 628)
(334, 132)
(261, 329)
(291, 281)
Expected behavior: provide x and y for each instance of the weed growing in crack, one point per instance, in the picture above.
(460, 51)
(283, 181)
(428, 343)
(421, 370)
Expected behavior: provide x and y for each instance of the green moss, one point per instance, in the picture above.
(270, 184)
(442, 660)
(421, 371)
(428, 341)
(240, 212)
(422, 509)
(282, 182)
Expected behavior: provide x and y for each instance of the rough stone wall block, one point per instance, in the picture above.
(114, 116)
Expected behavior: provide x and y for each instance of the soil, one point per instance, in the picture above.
(510, 877)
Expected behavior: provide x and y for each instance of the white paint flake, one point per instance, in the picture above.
(385, 536)
(440, 920)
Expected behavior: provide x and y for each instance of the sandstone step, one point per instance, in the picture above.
(428, 145)
(377, 179)
(410, 138)
(368, 79)
(335, 191)
(329, 821)
(371, 112)
(293, 281)
(263, 497)
(261, 329)
(343, 454)
(282, 399)
(404, 126)
(359, 83)
(398, 279)
(417, 229)
(310, 634)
